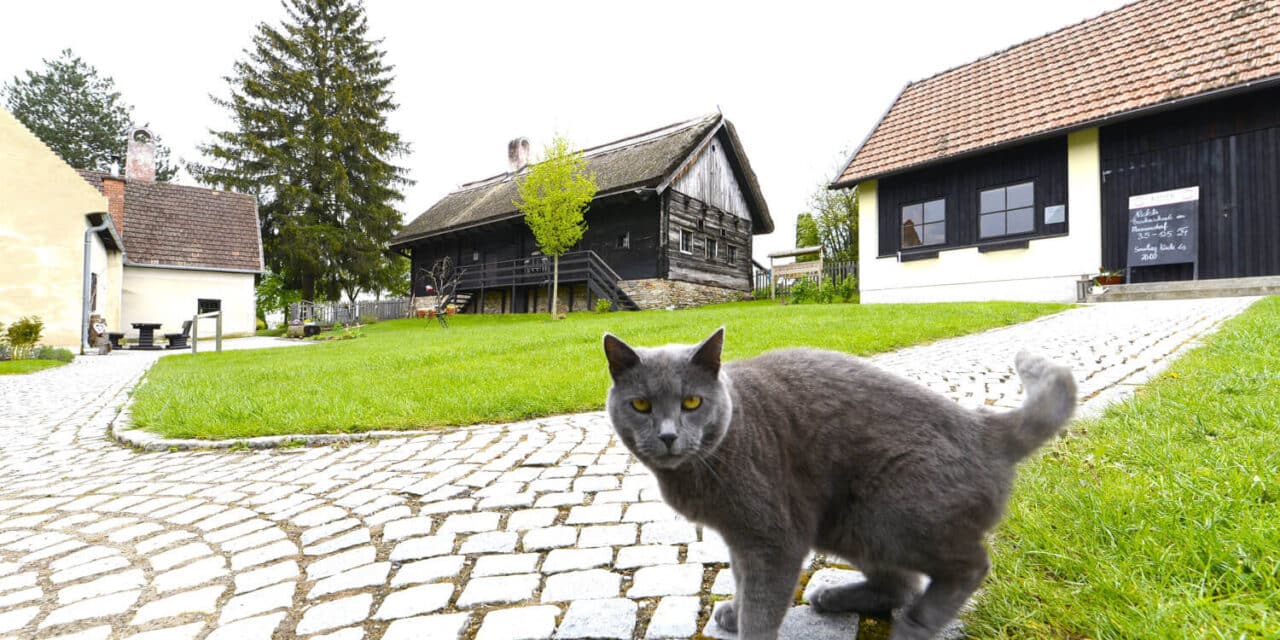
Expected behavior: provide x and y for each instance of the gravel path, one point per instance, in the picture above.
(492, 532)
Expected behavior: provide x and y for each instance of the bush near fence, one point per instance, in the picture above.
(842, 275)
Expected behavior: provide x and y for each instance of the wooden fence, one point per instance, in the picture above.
(327, 314)
(830, 270)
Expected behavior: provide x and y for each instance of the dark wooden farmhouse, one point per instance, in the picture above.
(671, 225)
(1145, 141)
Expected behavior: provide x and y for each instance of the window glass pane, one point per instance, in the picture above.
(909, 236)
(1021, 221)
(991, 225)
(992, 200)
(1021, 195)
(935, 210)
(935, 233)
(911, 213)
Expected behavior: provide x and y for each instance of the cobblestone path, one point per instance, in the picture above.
(530, 530)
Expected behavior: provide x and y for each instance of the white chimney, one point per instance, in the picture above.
(140, 159)
(518, 154)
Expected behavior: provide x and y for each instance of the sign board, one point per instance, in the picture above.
(1162, 227)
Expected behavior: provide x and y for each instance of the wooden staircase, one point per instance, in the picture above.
(1183, 289)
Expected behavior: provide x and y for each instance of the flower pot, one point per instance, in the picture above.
(1107, 281)
(431, 313)
(422, 313)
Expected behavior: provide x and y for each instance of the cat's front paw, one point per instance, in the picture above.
(727, 616)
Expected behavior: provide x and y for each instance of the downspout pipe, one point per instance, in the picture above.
(87, 281)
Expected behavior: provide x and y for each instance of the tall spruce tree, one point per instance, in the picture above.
(310, 100)
(78, 113)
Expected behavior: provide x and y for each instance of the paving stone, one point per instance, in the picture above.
(437, 627)
(174, 557)
(645, 556)
(501, 564)
(586, 585)
(447, 506)
(498, 589)
(549, 538)
(180, 632)
(191, 575)
(607, 535)
(671, 532)
(407, 528)
(239, 530)
(433, 569)
(344, 541)
(666, 580)
(708, 551)
(469, 523)
(724, 585)
(340, 562)
(196, 601)
(674, 617)
(99, 607)
(335, 613)
(17, 618)
(245, 605)
(559, 560)
(162, 541)
(612, 618)
(350, 633)
(414, 601)
(326, 531)
(259, 628)
(15, 598)
(254, 540)
(531, 519)
(366, 576)
(263, 555)
(93, 633)
(114, 583)
(522, 623)
(416, 548)
(247, 581)
(560, 499)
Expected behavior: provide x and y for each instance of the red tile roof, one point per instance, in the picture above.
(1145, 54)
(180, 226)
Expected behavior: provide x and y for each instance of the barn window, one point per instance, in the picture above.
(686, 241)
(711, 248)
(208, 305)
(624, 241)
(732, 255)
(1006, 211)
(924, 223)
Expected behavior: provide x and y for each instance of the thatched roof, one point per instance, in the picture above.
(643, 161)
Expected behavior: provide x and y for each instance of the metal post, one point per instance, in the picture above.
(195, 334)
(218, 336)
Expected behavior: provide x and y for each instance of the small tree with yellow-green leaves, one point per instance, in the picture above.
(553, 196)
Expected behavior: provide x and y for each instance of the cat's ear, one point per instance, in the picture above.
(707, 354)
(621, 357)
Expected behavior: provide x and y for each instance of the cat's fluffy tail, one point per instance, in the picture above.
(1050, 401)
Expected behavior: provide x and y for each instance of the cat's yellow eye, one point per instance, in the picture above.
(641, 405)
(692, 402)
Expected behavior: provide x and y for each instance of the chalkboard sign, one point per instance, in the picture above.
(1162, 227)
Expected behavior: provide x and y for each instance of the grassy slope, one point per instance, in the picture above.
(9, 367)
(1160, 519)
(413, 374)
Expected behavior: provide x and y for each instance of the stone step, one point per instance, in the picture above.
(1188, 289)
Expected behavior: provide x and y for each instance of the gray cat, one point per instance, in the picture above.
(804, 449)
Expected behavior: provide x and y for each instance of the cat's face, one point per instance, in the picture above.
(668, 404)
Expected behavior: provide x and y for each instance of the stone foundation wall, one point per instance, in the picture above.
(660, 293)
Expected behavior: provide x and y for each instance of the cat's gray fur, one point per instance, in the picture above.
(804, 449)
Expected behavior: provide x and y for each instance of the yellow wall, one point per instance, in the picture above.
(43, 203)
(169, 296)
(1046, 270)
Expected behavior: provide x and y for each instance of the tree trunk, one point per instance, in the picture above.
(308, 288)
(555, 284)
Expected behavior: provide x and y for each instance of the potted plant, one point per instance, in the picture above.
(1108, 278)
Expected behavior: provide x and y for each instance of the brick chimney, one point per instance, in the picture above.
(140, 159)
(113, 189)
(518, 154)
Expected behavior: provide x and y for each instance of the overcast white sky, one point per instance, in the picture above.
(803, 81)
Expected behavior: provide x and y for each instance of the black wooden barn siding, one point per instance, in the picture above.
(509, 239)
(1229, 148)
(960, 182)
(706, 221)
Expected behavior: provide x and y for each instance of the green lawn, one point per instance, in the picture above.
(409, 374)
(9, 367)
(1159, 519)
